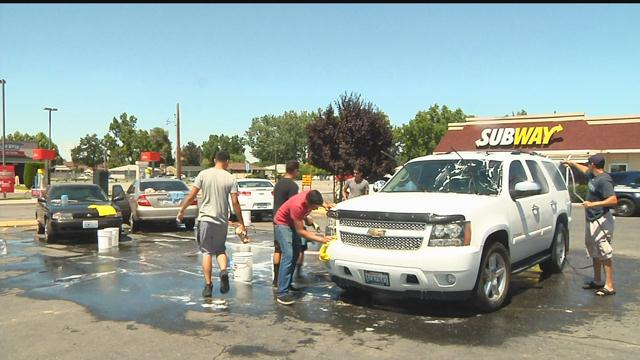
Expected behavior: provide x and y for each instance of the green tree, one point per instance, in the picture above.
(356, 136)
(423, 133)
(191, 154)
(41, 139)
(90, 151)
(279, 138)
(124, 141)
(157, 140)
(519, 113)
(234, 145)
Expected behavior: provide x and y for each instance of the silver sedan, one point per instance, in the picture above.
(155, 200)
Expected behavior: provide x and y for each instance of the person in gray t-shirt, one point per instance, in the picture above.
(355, 186)
(599, 223)
(213, 219)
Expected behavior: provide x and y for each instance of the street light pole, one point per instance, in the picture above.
(179, 152)
(3, 81)
(48, 177)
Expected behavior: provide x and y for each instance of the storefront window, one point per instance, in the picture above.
(618, 167)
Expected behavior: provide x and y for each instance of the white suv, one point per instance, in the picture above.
(453, 226)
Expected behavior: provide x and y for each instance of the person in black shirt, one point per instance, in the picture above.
(284, 189)
(599, 222)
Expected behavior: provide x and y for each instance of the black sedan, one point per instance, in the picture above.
(75, 209)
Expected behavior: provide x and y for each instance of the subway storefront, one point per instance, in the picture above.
(17, 153)
(557, 136)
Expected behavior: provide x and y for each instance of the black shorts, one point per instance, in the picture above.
(212, 237)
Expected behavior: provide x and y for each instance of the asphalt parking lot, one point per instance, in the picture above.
(142, 300)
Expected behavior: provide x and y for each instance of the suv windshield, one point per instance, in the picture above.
(482, 177)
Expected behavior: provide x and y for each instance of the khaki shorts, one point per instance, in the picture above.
(598, 238)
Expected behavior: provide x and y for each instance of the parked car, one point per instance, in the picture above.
(627, 188)
(154, 200)
(453, 226)
(75, 209)
(255, 195)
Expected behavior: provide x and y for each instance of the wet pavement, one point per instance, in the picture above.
(154, 278)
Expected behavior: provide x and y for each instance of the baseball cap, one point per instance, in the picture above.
(597, 160)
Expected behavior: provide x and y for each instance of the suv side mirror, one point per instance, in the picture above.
(527, 188)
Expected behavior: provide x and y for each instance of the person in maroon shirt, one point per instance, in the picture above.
(289, 227)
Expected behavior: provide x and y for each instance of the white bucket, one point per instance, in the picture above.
(246, 217)
(243, 266)
(115, 236)
(104, 239)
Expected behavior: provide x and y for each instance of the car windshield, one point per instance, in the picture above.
(163, 186)
(482, 177)
(78, 193)
(254, 184)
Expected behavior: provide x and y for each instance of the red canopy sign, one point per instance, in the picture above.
(7, 178)
(150, 156)
(44, 154)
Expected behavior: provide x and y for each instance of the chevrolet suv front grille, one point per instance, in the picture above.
(383, 224)
(384, 242)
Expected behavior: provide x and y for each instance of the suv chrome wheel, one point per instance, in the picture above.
(559, 249)
(494, 277)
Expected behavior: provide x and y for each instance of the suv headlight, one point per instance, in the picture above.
(62, 216)
(452, 234)
(332, 218)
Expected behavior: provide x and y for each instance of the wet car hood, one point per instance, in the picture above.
(421, 203)
(78, 207)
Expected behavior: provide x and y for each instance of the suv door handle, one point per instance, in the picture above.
(535, 208)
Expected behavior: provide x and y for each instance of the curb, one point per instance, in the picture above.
(16, 223)
(18, 201)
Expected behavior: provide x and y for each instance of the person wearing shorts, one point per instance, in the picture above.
(217, 184)
(599, 223)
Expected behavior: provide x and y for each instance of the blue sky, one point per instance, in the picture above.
(226, 64)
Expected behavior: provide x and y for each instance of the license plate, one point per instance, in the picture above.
(262, 206)
(376, 278)
(169, 202)
(90, 224)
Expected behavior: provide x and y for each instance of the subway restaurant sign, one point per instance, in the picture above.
(521, 136)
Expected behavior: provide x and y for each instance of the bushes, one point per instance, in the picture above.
(30, 171)
(580, 190)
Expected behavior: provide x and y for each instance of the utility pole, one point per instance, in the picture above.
(47, 162)
(3, 81)
(179, 152)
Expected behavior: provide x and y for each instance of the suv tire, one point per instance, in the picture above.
(559, 250)
(625, 207)
(494, 276)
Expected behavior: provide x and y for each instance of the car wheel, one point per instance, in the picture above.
(494, 276)
(559, 249)
(40, 229)
(49, 236)
(189, 224)
(135, 225)
(625, 207)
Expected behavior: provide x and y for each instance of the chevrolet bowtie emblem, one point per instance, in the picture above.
(375, 232)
